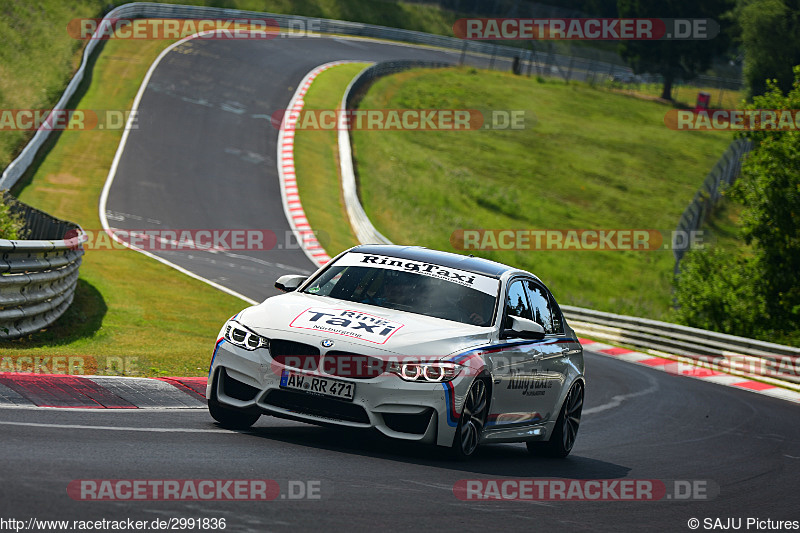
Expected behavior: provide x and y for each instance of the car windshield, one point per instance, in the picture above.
(409, 291)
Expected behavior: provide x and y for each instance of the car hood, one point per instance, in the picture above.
(359, 327)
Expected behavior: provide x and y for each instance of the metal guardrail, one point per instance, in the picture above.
(724, 173)
(38, 276)
(359, 221)
(719, 349)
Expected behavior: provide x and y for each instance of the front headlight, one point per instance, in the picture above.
(425, 372)
(241, 336)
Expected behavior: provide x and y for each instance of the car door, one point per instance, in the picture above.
(515, 362)
(552, 367)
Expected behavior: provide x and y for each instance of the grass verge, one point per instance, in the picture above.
(316, 154)
(37, 58)
(592, 160)
(127, 304)
(684, 96)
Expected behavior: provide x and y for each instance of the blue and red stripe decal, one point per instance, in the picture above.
(220, 342)
(450, 401)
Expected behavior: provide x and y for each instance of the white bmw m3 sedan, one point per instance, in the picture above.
(415, 343)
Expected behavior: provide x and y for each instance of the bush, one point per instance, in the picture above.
(717, 291)
(11, 225)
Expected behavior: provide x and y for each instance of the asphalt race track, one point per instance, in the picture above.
(204, 157)
(640, 424)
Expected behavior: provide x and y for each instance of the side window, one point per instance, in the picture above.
(540, 305)
(558, 320)
(517, 302)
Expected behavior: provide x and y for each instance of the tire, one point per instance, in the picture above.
(232, 418)
(472, 421)
(566, 430)
(229, 418)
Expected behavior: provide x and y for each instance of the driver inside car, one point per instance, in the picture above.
(395, 289)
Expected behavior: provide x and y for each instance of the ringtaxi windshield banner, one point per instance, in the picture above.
(462, 277)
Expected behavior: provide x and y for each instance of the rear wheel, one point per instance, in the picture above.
(227, 417)
(566, 430)
(473, 419)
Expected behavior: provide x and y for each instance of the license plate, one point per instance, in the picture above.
(318, 385)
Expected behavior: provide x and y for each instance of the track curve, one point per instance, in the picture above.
(204, 157)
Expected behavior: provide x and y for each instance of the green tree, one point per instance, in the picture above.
(676, 59)
(757, 294)
(770, 37)
(770, 191)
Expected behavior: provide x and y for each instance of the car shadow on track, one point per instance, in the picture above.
(494, 459)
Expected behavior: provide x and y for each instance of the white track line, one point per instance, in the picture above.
(616, 401)
(105, 409)
(297, 220)
(117, 428)
(310, 246)
(113, 171)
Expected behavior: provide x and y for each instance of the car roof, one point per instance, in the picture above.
(475, 265)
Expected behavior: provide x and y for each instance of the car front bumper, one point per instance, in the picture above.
(424, 412)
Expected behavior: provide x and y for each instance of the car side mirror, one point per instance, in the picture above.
(289, 283)
(523, 327)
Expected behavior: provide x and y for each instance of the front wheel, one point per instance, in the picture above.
(473, 419)
(229, 418)
(563, 438)
(232, 418)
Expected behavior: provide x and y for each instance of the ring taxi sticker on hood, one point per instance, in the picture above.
(362, 326)
(462, 277)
